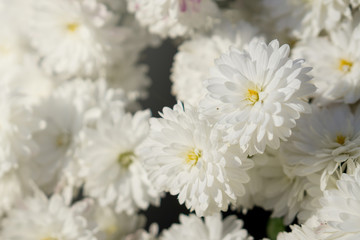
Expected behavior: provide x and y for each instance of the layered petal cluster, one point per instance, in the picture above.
(256, 95)
(282, 191)
(195, 58)
(305, 19)
(41, 218)
(326, 140)
(214, 228)
(110, 165)
(185, 155)
(74, 37)
(340, 207)
(336, 61)
(175, 18)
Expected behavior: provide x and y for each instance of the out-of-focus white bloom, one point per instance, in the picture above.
(29, 80)
(17, 123)
(142, 234)
(257, 94)
(313, 229)
(283, 192)
(336, 63)
(75, 37)
(131, 78)
(196, 56)
(41, 218)
(214, 228)
(340, 208)
(185, 155)
(13, 187)
(71, 106)
(307, 18)
(111, 168)
(175, 18)
(113, 226)
(324, 141)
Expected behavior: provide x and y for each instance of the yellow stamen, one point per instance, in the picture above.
(63, 139)
(340, 139)
(72, 27)
(345, 66)
(252, 96)
(111, 230)
(193, 156)
(126, 159)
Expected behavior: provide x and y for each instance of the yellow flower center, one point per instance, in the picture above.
(193, 156)
(252, 96)
(126, 159)
(72, 27)
(111, 230)
(345, 65)
(63, 139)
(340, 139)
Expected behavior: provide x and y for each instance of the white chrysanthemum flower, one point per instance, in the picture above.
(307, 18)
(313, 229)
(336, 63)
(324, 141)
(340, 208)
(214, 228)
(71, 106)
(113, 226)
(39, 218)
(175, 18)
(283, 192)
(111, 168)
(185, 155)
(196, 56)
(74, 37)
(257, 94)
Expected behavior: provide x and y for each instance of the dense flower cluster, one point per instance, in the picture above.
(268, 115)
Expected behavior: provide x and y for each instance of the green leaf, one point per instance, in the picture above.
(274, 226)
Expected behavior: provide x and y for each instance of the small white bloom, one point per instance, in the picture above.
(185, 155)
(336, 62)
(214, 228)
(324, 141)
(196, 56)
(174, 18)
(40, 218)
(111, 168)
(257, 94)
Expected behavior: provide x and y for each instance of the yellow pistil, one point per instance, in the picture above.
(126, 159)
(111, 230)
(192, 157)
(62, 139)
(345, 65)
(72, 27)
(252, 96)
(340, 139)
